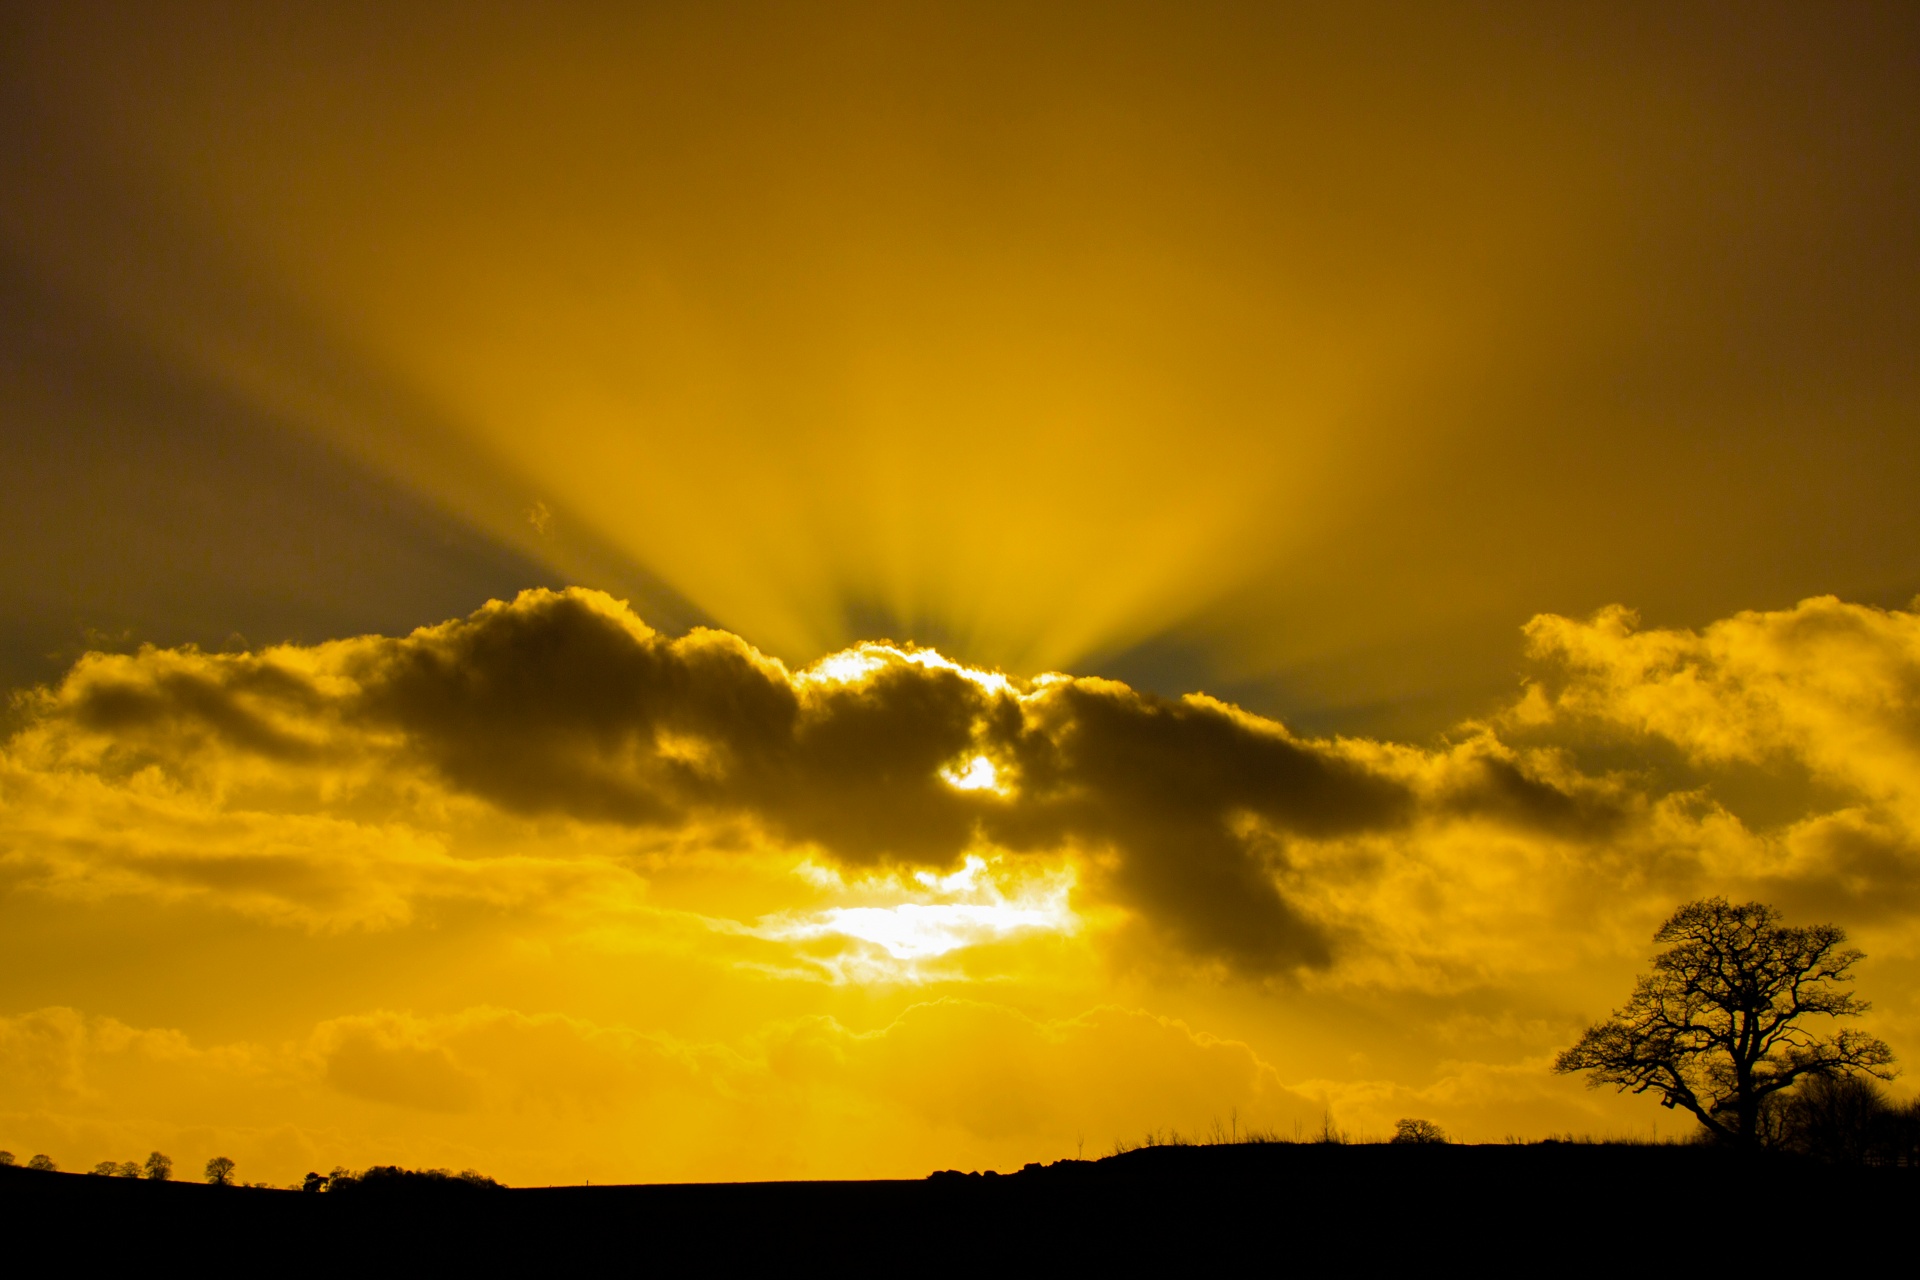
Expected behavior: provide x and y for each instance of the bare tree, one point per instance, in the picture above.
(159, 1167)
(1719, 1027)
(220, 1171)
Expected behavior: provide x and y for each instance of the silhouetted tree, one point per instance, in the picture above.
(1420, 1132)
(159, 1167)
(129, 1169)
(1719, 1028)
(107, 1169)
(6, 1158)
(314, 1182)
(43, 1163)
(220, 1171)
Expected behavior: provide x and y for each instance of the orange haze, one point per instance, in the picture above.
(872, 424)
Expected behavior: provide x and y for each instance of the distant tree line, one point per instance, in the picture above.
(220, 1173)
(391, 1177)
(158, 1168)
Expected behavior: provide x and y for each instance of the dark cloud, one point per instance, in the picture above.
(1163, 783)
(552, 705)
(566, 704)
(555, 704)
(1497, 787)
(194, 702)
(1848, 864)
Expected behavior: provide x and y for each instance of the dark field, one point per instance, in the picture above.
(1578, 1208)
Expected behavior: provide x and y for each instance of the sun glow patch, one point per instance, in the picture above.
(944, 914)
(848, 667)
(979, 775)
(915, 931)
(851, 666)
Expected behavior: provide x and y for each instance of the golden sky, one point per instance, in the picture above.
(658, 592)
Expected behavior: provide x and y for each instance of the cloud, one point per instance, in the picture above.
(952, 1080)
(1819, 703)
(550, 786)
(305, 851)
(997, 1078)
(971, 1067)
(490, 1058)
(565, 704)
(1833, 685)
(488, 758)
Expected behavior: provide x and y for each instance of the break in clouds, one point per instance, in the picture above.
(341, 784)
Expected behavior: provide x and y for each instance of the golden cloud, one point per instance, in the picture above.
(749, 857)
(982, 1081)
(566, 706)
(544, 751)
(1819, 705)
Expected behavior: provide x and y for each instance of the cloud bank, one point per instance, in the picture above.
(554, 798)
(524, 755)
(1190, 815)
(984, 1081)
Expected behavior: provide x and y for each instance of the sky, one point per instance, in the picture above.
(653, 592)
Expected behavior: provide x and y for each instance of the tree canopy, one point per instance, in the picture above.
(1416, 1132)
(1720, 1027)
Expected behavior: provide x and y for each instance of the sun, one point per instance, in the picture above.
(929, 916)
(979, 775)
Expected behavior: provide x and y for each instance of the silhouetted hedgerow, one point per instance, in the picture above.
(1847, 1120)
(391, 1179)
